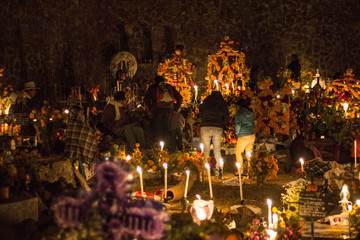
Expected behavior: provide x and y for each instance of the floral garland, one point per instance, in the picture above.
(178, 71)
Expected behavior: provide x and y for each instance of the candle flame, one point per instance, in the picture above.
(139, 170)
(202, 147)
(269, 202)
(187, 172)
(198, 196)
(346, 105)
(301, 160)
(215, 81)
(195, 87)
(162, 145)
(237, 165)
(128, 157)
(165, 165)
(221, 162)
(248, 154)
(358, 202)
(66, 111)
(207, 165)
(350, 207)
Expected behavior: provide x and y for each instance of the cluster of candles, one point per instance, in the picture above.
(7, 129)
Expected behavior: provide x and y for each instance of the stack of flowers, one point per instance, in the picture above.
(290, 224)
(193, 160)
(263, 165)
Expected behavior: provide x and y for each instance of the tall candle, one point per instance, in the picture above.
(221, 162)
(216, 85)
(139, 170)
(249, 160)
(209, 177)
(187, 182)
(227, 87)
(162, 145)
(355, 152)
(165, 178)
(240, 182)
(269, 202)
(196, 92)
(301, 160)
(275, 220)
(202, 147)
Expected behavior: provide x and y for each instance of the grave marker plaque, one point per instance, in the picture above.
(312, 204)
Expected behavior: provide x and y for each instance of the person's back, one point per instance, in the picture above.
(244, 122)
(214, 111)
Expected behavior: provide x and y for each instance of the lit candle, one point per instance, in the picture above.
(355, 152)
(139, 170)
(221, 162)
(240, 182)
(275, 220)
(216, 85)
(293, 92)
(272, 234)
(202, 147)
(162, 145)
(302, 164)
(278, 96)
(196, 92)
(357, 202)
(227, 87)
(187, 182)
(209, 177)
(249, 160)
(128, 158)
(165, 178)
(269, 202)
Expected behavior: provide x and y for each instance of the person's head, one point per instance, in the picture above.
(242, 104)
(159, 79)
(30, 88)
(294, 57)
(119, 96)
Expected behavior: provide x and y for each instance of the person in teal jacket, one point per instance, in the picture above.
(244, 127)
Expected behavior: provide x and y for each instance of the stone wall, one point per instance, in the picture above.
(67, 42)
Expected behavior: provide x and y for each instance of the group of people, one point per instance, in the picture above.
(214, 115)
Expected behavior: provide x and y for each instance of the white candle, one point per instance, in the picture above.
(196, 92)
(221, 162)
(139, 170)
(187, 182)
(162, 145)
(302, 164)
(209, 177)
(216, 85)
(240, 182)
(202, 147)
(269, 202)
(275, 220)
(227, 87)
(355, 152)
(249, 160)
(165, 178)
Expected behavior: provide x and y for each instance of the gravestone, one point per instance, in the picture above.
(312, 204)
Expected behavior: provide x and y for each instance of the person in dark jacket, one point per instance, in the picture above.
(162, 99)
(294, 67)
(214, 115)
(244, 127)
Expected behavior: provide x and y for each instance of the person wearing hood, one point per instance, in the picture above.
(214, 115)
(244, 127)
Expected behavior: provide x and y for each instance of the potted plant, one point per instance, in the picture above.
(5, 182)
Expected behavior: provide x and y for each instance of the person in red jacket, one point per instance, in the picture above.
(162, 99)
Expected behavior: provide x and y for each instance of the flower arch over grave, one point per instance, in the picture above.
(110, 203)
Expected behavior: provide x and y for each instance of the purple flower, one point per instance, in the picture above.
(111, 178)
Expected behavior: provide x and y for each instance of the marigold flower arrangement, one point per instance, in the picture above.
(263, 165)
(193, 160)
(354, 217)
(290, 224)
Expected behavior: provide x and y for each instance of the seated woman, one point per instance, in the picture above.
(115, 119)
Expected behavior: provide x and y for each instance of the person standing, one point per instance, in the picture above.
(244, 127)
(162, 99)
(177, 124)
(294, 67)
(214, 115)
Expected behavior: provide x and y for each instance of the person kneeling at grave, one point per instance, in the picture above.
(115, 119)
